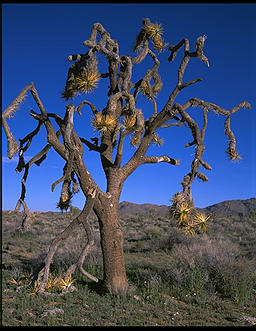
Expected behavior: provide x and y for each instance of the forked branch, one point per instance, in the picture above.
(81, 219)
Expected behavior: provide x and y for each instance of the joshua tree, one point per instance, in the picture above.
(118, 121)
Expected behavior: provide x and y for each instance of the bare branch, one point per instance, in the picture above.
(191, 82)
(85, 102)
(141, 56)
(12, 108)
(205, 117)
(168, 125)
(92, 147)
(12, 146)
(157, 159)
(119, 153)
(37, 159)
(231, 150)
(38, 101)
(174, 49)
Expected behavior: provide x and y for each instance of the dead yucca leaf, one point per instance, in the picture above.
(65, 194)
(87, 81)
(69, 92)
(129, 121)
(139, 40)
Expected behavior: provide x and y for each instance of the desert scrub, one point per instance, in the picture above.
(235, 280)
(210, 265)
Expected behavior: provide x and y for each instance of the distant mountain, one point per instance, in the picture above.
(145, 209)
(229, 207)
(233, 207)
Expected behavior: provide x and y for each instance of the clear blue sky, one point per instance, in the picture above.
(36, 40)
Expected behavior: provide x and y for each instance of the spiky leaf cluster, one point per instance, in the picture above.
(53, 284)
(188, 219)
(86, 82)
(153, 32)
(104, 123)
(83, 75)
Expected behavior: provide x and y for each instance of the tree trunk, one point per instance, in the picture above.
(112, 242)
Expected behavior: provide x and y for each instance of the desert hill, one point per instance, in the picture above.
(229, 207)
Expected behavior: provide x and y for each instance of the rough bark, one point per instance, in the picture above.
(112, 240)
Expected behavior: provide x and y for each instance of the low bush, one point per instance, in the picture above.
(210, 265)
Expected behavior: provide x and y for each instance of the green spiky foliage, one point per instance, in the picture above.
(188, 219)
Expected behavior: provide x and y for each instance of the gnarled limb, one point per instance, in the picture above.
(12, 146)
(85, 102)
(37, 159)
(82, 218)
(25, 224)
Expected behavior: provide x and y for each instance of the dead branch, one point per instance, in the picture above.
(12, 146)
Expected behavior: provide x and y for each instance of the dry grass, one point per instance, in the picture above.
(205, 280)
